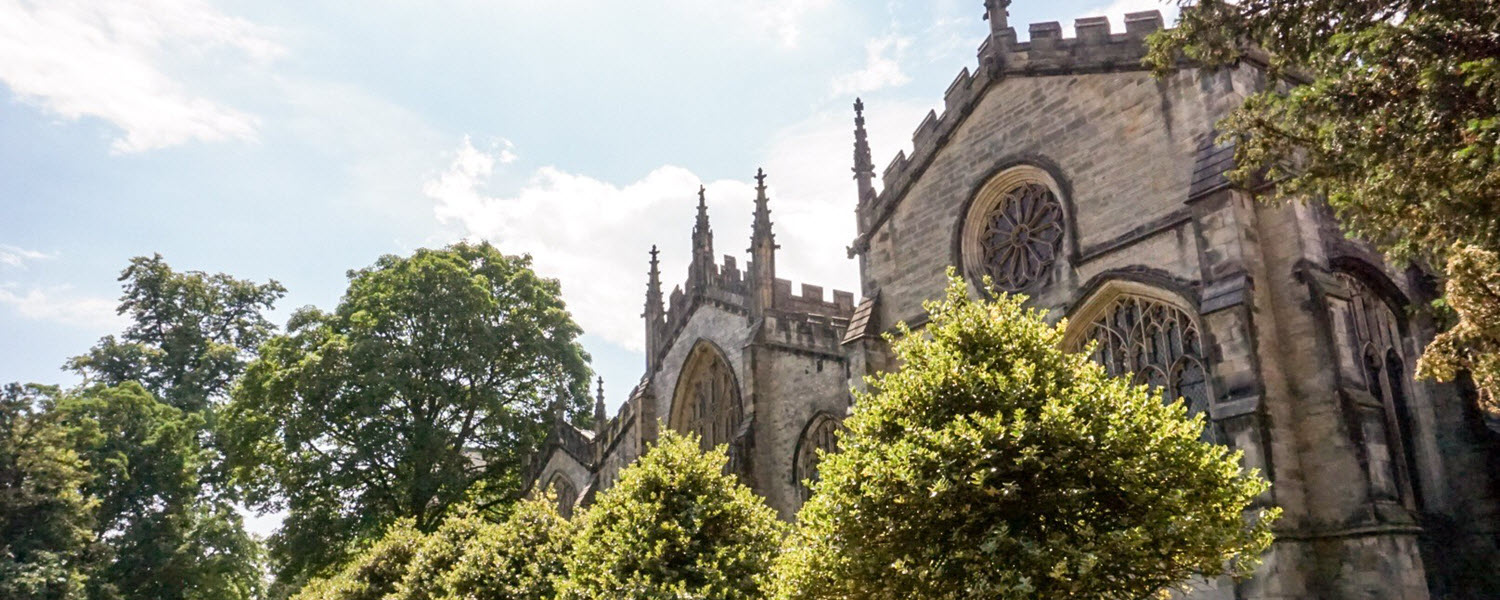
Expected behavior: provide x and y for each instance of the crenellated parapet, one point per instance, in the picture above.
(814, 334)
(1095, 48)
(811, 300)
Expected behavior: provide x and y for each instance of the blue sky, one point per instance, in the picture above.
(297, 140)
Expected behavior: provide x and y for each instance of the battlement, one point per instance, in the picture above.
(808, 333)
(1094, 49)
(810, 301)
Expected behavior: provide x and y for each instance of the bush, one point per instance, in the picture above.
(995, 465)
(519, 559)
(372, 574)
(675, 526)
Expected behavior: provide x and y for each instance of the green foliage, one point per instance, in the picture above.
(1389, 110)
(675, 526)
(427, 387)
(45, 519)
(374, 573)
(430, 567)
(995, 465)
(467, 558)
(519, 559)
(1473, 344)
(161, 538)
(190, 333)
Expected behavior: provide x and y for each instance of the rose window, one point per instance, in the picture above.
(1021, 236)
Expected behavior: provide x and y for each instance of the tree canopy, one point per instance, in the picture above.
(161, 536)
(675, 526)
(992, 464)
(1388, 110)
(429, 385)
(46, 520)
(190, 333)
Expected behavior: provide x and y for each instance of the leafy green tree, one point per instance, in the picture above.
(994, 465)
(190, 335)
(521, 558)
(1389, 110)
(46, 521)
(162, 537)
(374, 573)
(675, 526)
(429, 386)
(1473, 344)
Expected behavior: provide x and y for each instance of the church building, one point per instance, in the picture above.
(1063, 170)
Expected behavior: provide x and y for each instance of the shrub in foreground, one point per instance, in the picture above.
(675, 526)
(995, 465)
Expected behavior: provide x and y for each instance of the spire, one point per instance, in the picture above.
(762, 249)
(762, 227)
(600, 420)
(653, 286)
(655, 310)
(701, 271)
(864, 168)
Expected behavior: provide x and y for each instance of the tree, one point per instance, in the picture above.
(161, 536)
(1388, 110)
(521, 558)
(429, 386)
(1473, 344)
(45, 520)
(994, 465)
(675, 526)
(190, 335)
(372, 574)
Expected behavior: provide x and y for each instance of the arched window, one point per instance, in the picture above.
(1377, 336)
(1014, 229)
(821, 433)
(1153, 340)
(566, 492)
(707, 401)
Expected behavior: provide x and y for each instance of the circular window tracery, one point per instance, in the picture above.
(1014, 229)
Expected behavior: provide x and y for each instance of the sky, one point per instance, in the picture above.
(297, 140)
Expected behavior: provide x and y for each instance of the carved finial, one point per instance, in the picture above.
(761, 229)
(653, 287)
(600, 418)
(700, 271)
(864, 166)
(995, 11)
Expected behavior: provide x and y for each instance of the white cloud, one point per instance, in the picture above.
(12, 256)
(593, 235)
(882, 68)
(60, 305)
(783, 18)
(79, 58)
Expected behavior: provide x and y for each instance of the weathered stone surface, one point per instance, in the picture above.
(1388, 486)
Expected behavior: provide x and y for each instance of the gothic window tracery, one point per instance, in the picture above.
(1014, 229)
(1376, 337)
(708, 400)
(566, 493)
(1156, 343)
(821, 433)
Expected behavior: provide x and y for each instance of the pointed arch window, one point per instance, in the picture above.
(1378, 340)
(821, 433)
(566, 493)
(1151, 340)
(707, 401)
